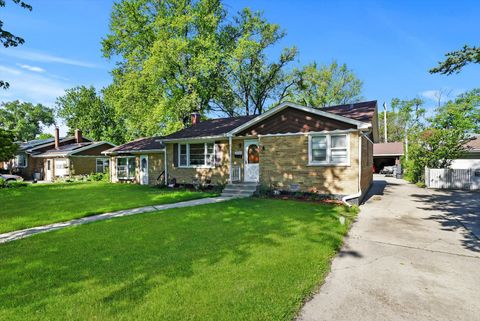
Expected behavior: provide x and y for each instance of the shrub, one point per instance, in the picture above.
(3, 183)
(15, 184)
(98, 177)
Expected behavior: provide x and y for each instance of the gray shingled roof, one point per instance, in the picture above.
(362, 111)
(140, 144)
(212, 127)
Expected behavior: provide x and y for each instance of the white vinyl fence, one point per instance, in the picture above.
(447, 178)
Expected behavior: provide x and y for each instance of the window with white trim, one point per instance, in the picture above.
(196, 155)
(328, 149)
(126, 167)
(101, 165)
(20, 160)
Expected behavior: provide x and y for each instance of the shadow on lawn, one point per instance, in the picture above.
(130, 256)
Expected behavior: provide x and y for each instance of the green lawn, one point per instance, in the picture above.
(249, 259)
(41, 204)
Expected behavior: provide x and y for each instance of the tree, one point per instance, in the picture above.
(25, 120)
(324, 85)
(456, 60)
(443, 140)
(180, 56)
(170, 55)
(8, 147)
(82, 107)
(251, 80)
(7, 38)
(44, 136)
(405, 115)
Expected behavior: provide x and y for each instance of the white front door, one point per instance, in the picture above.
(144, 170)
(252, 160)
(48, 170)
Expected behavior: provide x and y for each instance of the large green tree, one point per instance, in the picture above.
(24, 119)
(82, 107)
(443, 140)
(458, 59)
(405, 115)
(174, 57)
(7, 39)
(324, 85)
(250, 80)
(169, 61)
(8, 147)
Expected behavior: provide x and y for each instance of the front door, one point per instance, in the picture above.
(252, 160)
(48, 170)
(144, 170)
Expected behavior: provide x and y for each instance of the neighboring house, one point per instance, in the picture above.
(471, 157)
(59, 157)
(290, 147)
(386, 154)
(141, 160)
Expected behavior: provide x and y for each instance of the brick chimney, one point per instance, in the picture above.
(195, 118)
(57, 138)
(78, 136)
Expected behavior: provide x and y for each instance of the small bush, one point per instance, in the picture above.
(15, 184)
(11, 184)
(98, 177)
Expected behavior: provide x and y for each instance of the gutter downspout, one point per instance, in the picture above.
(230, 158)
(166, 166)
(351, 196)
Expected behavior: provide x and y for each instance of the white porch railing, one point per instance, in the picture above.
(236, 173)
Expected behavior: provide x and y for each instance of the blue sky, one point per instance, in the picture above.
(389, 44)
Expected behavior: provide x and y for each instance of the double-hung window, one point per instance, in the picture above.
(102, 165)
(196, 155)
(126, 167)
(328, 149)
(20, 160)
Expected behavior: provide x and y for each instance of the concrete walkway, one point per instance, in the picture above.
(411, 255)
(20, 234)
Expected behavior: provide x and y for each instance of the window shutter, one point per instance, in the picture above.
(175, 155)
(218, 154)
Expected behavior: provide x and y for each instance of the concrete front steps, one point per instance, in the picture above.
(243, 189)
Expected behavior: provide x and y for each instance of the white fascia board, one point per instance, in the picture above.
(138, 151)
(311, 110)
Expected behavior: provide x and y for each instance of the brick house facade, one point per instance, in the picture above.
(290, 147)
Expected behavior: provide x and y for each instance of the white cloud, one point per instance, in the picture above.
(430, 94)
(35, 88)
(443, 95)
(31, 68)
(43, 57)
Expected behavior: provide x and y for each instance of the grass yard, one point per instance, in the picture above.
(248, 259)
(41, 204)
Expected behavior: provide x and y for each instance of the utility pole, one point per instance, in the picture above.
(385, 121)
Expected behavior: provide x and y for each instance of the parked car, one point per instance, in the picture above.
(11, 178)
(387, 170)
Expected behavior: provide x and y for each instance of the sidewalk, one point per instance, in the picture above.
(20, 234)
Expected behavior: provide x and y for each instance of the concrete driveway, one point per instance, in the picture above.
(411, 255)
